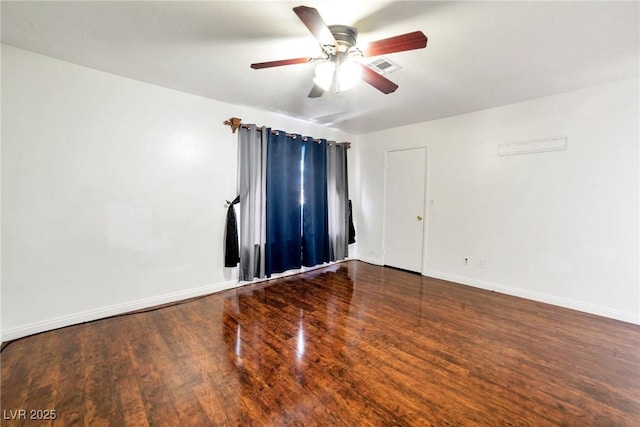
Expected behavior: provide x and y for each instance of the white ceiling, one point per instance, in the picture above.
(479, 54)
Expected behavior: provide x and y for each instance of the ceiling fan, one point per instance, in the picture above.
(340, 67)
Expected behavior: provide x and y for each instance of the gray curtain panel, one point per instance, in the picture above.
(252, 165)
(337, 201)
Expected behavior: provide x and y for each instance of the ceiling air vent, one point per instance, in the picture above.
(383, 66)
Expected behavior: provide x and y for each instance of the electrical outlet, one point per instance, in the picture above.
(482, 263)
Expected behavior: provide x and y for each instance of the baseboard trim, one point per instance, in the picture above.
(113, 310)
(116, 309)
(288, 273)
(624, 316)
(127, 307)
(369, 260)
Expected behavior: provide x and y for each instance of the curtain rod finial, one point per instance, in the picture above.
(234, 122)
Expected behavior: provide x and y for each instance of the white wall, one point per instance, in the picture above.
(559, 227)
(112, 192)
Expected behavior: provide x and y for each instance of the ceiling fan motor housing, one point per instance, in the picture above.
(345, 36)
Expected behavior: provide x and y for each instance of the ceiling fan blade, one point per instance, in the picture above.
(381, 83)
(314, 22)
(316, 91)
(409, 41)
(270, 64)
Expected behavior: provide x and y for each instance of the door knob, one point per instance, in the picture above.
(419, 217)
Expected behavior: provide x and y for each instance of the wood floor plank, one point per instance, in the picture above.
(126, 386)
(351, 344)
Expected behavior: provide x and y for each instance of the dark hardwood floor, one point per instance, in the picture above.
(350, 345)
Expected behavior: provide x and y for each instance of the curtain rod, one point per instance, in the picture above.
(235, 123)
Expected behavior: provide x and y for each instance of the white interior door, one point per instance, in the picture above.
(404, 208)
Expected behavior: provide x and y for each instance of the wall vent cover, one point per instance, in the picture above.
(555, 143)
(383, 66)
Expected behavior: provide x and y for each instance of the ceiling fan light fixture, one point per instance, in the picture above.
(325, 72)
(348, 75)
(337, 76)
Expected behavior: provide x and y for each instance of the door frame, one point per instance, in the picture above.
(425, 207)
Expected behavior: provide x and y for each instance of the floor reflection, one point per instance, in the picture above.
(353, 344)
(278, 331)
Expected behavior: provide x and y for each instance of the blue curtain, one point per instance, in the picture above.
(283, 216)
(315, 222)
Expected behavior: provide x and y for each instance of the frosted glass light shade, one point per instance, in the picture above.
(347, 76)
(324, 74)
